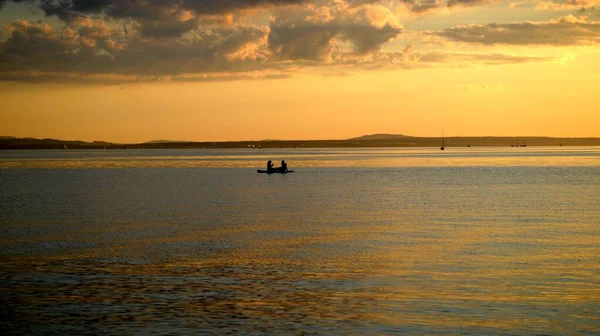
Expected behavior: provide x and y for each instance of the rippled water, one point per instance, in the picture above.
(304, 158)
(357, 241)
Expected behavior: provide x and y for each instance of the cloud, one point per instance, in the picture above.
(409, 59)
(423, 7)
(470, 3)
(590, 12)
(558, 4)
(316, 32)
(220, 6)
(567, 30)
(147, 40)
(39, 47)
(164, 10)
(448, 59)
(112, 79)
(36, 77)
(99, 49)
(488, 59)
(228, 76)
(99, 53)
(151, 8)
(154, 18)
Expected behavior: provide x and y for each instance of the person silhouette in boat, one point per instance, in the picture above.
(283, 168)
(270, 166)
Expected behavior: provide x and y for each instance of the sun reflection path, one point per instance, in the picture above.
(334, 158)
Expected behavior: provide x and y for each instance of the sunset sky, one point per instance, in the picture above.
(214, 70)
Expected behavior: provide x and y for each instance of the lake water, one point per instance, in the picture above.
(494, 241)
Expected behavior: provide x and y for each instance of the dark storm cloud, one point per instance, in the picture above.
(568, 30)
(68, 7)
(65, 9)
(3, 2)
(87, 6)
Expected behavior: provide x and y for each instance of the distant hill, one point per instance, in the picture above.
(373, 140)
(7, 142)
(163, 141)
(381, 136)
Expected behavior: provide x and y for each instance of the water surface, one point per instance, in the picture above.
(357, 241)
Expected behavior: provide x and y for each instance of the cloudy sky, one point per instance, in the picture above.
(211, 70)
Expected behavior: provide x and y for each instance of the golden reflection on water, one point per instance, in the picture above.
(509, 250)
(405, 157)
(253, 292)
(453, 281)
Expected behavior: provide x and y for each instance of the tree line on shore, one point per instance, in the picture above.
(366, 141)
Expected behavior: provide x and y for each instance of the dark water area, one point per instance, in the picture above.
(361, 241)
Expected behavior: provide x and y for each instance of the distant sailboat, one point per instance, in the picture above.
(443, 146)
(66, 148)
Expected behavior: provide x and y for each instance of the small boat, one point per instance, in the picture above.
(274, 171)
(443, 147)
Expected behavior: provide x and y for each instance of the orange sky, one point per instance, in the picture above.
(318, 70)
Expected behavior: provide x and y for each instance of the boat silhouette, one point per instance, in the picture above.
(274, 171)
(443, 146)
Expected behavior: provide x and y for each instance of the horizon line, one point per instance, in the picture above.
(357, 138)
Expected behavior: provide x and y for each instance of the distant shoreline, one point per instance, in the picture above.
(7, 143)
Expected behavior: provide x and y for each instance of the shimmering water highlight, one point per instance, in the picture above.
(352, 248)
